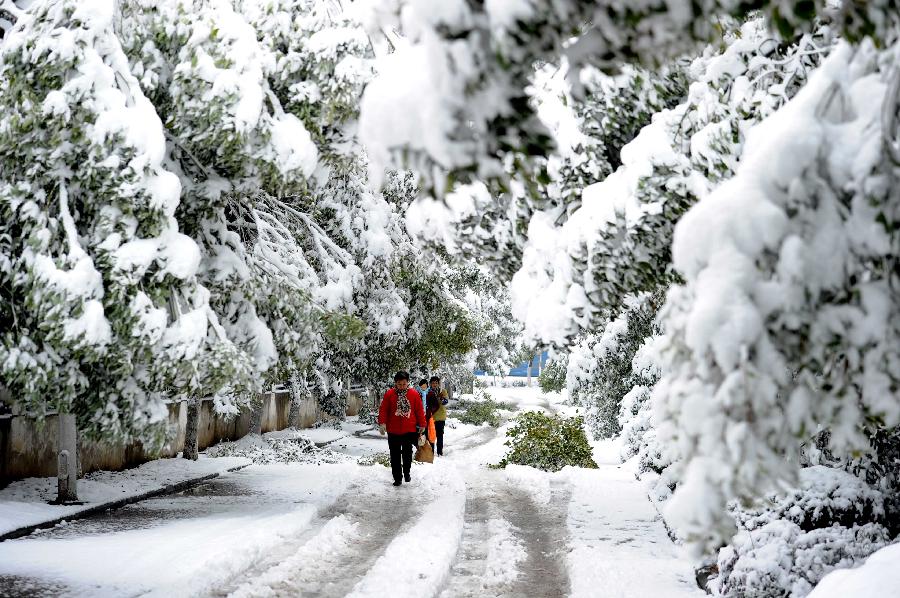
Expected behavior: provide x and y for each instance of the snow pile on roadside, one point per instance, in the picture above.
(24, 502)
(280, 448)
(831, 520)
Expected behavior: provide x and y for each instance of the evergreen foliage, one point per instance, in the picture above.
(547, 442)
(553, 376)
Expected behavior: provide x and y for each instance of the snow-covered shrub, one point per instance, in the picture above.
(483, 409)
(553, 376)
(826, 496)
(367, 413)
(383, 459)
(786, 545)
(781, 559)
(547, 442)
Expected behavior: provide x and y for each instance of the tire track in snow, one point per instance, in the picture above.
(543, 530)
(512, 545)
(417, 562)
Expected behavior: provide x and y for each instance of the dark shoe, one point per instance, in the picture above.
(397, 483)
(408, 479)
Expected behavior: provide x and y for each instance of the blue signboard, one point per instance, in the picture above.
(521, 370)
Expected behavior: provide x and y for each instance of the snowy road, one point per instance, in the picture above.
(329, 530)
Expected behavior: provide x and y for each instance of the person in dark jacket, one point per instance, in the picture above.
(432, 405)
(402, 417)
(437, 404)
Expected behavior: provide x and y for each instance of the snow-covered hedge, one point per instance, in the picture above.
(784, 548)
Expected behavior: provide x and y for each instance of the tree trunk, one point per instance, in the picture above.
(296, 398)
(191, 430)
(256, 412)
(67, 460)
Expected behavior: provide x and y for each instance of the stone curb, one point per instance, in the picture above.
(108, 506)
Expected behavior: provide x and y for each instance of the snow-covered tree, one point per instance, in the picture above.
(93, 260)
(618, 243)
(773, 334)
(787, 322)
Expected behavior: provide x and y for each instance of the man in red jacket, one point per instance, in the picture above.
(401, 415)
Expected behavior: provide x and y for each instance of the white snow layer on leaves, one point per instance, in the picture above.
(547, 294)
(879, 576)
(721, 315)
(294, 148)
(409, 103)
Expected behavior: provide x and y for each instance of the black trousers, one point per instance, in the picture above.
(439, 428)
(401, 447)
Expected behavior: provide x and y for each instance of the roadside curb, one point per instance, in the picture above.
(116, 504)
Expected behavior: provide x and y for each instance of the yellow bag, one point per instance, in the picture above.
(432, 433)
(424, 454)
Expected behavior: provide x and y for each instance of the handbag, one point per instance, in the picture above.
(424, 454)
(432, 432)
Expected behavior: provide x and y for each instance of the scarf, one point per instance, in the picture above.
(403, 407)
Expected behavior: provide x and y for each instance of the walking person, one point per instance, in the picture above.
(402, 417)
(432, 404)
(437, 396)
(423, 390)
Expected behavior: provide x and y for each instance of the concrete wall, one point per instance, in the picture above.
(28, 448)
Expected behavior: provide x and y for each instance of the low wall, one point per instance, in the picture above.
(28, 448)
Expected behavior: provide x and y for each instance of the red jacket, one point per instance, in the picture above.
(396, 424)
